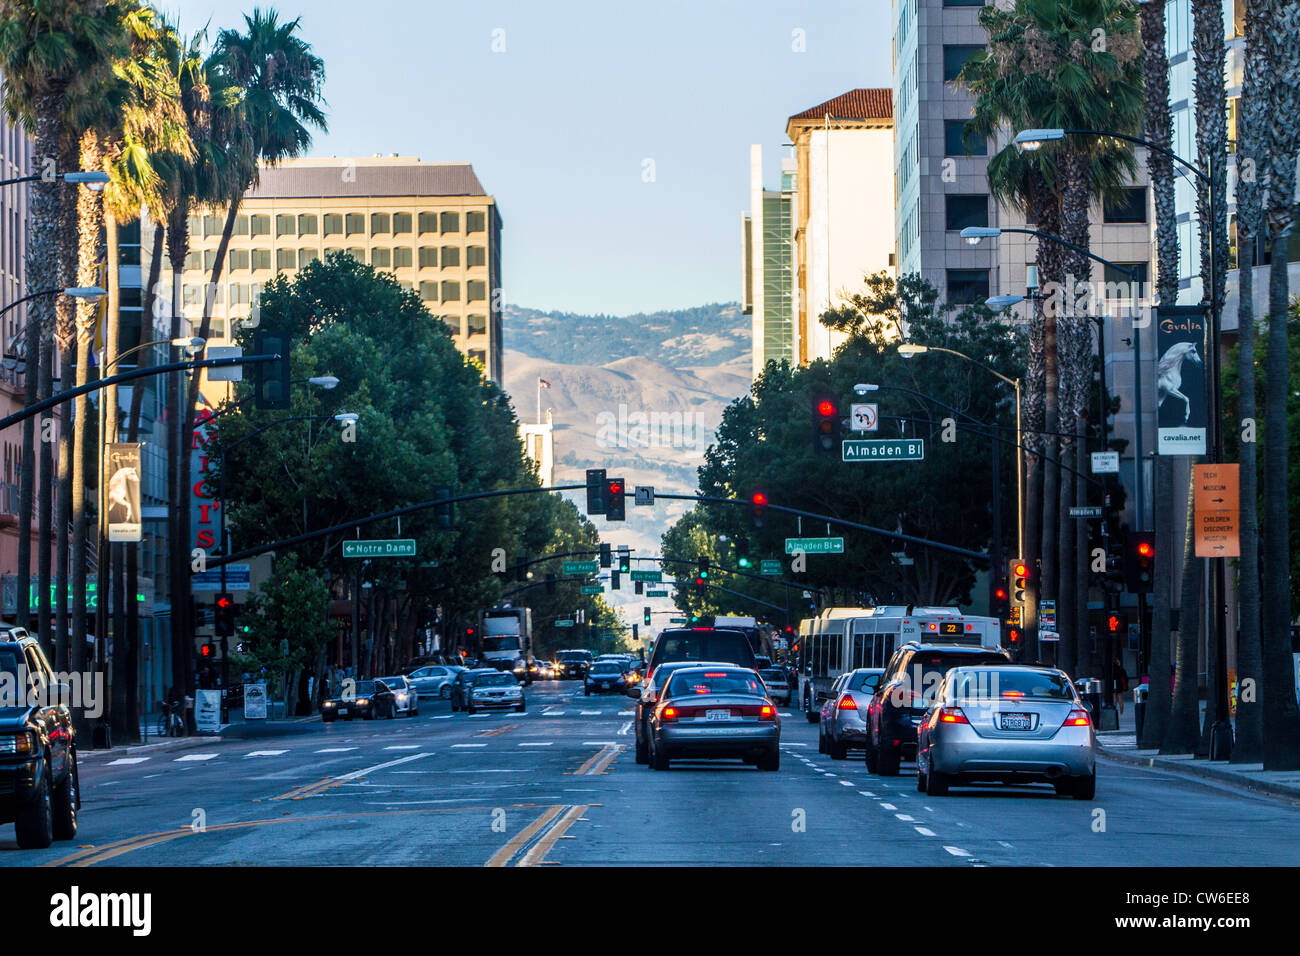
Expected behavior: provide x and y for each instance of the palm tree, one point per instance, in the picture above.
(1159, 131)
(1280, 24)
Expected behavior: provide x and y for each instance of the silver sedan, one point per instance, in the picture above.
(434, 680)
(846, 726)
(713, 712)
(1010, 724)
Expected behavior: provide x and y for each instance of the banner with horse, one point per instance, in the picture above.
(1181, 407)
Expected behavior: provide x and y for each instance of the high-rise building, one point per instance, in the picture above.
(769, 264)
(431, 225)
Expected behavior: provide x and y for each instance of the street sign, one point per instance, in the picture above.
(883, 449)
(592, 589)
(564, 624)
(644, 497)
(814, 545)
(1049, 636)
(382, 548)
(677, 620)
(237, 579)
(1086, 511)
(654, 577)
(1047, 616)
(864, 417)
(656, 593)
(1105, 463)
(230, 373)
(770, 566)
(1217, 506)
(579, 567)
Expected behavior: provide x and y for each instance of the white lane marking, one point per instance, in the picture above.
(956, 851)
(846, 783)
(905, 818)
(588, 713)
(931, 809)
(553, 713)
(475, 746)
(477, 716)
(400, 747)
(381, 766)
(266, 753)
(888, 806)
(541, 743)
(866, 793)
(925, 831)
(786, 713)
(194, 757)
(829, 774)
(622, 731)
(126, 760)
(443, 717)
(335, 750)
(627, 713)
(1006, 844)
(598, 743)
(793, 744)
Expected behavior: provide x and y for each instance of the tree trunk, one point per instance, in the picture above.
(119, 717)
(1159, 696)
(63, 519)
(45, 495)
(178, 450)
(1183, 732)
(1070, 653)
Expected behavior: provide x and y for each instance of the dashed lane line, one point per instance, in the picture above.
(957, 851)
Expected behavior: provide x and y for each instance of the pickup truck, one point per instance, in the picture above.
(39, 792)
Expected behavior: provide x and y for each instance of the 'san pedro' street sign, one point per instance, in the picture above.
(383, 548)
(882, 449)
(579, 567)
(654, 577)
(814, 545)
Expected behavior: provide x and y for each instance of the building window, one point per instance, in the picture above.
(381, 258)
(967, 285)
(963, 3)
(429, 291)
(479, 358)
(477, 324)
(955, 57)
(451, 292)
(1113, 276)
(194, 260)
(476, 256)
(475, 291)
(333, 224)
(195, 226)
(358, 254)
(209, 259)
(428, 257)
(285, 226)
(306, 256)
(402, 257)
(428, 222)
(962, 211)
(241, 225)
(450, 222)
(284, 259)
(259, 225)
(261, 259)
(380, 223)
(401, 223)
(475, 221)
(238, 293)
(406, 286)
(355, 224)
(211, 226)
(957, 143)
(450, 256)
(238, 259)
(306, 225)
(1132, 207)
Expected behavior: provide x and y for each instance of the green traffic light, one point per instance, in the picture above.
(744, 562)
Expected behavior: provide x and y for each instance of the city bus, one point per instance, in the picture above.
(841, 639)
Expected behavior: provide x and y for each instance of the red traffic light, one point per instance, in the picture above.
(758, 498)
(1021, 570)
(1000, 594)
(469, 632)
(225, 601)
(615, 488)
(205, 650)
(1145, 549)
(826, 407)
(1113, 622)
(1014, 636)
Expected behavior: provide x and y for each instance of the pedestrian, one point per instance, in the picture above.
(1120, 683)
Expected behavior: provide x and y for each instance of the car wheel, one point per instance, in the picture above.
(659, 759)
(921, 779)
(586, 691)
(1084, 788)
(887, 761)
(327, 719)
(821, 741)
(814, 716)
(520, 709)
(837, 749)
(34, 823)
(470, 709)
(444, 692)
(869, 755)
(770, 760)
(66, 798)
(936, 783)
(370, 714)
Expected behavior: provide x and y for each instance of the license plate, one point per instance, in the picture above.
(717, 715)
(1016, 722)
(604, 685)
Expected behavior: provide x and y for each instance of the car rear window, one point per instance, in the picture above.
(703, 645)
(772, 674)
(606, 668)
(1010, 683)
(691, 682)
(863, 682)
(495, 680)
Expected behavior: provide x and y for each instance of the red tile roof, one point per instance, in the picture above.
(861, 104)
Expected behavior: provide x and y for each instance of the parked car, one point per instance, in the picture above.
(434, 680)
(845, 723)
(366, 699)
(405, 699)
(715, 712)
(462, 682)
(647, 698)
(498, 689)
(40, 791)
(777, 682)
(604, 677)
(1013, 724)
(904, 694)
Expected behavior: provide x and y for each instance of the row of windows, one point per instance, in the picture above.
(966, 286)
(239, 293)
(342, 224)
(961, 211)
(401, 257)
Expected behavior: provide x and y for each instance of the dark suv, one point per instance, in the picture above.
(39, 792)
(909, 683)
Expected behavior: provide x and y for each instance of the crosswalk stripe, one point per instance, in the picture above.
(925, 831)
(469, 745)
(543, 743)
(335, 750)
(127, 760)
(266, 753)
(194, 757)
(956, 851)
(403, 747)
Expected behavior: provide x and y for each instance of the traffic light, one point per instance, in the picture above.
(826, 425)
(1115, 623)
(615, 505)
(223, 615)
(1019, 582)
(645, 615)
(550, 584)
(1000, 605)
(605, 559)
(699, 584)
(639, 587)
(469, 634)
(595, 491)
(702, 567)
(614, 581)
(206, 652)
(624, 560)
(757, 507)
(1139, 562)
(744, 562)
(444, 515)
(271, 379)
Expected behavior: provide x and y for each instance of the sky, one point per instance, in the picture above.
(614, 136)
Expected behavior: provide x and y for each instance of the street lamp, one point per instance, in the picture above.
(92, 178)
(326, 382)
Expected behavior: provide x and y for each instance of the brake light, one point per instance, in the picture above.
(669, 713)
(767, 712)
(848, 703)
(952, 715)
(718, 674)
(1077, 718)
(1013, 693)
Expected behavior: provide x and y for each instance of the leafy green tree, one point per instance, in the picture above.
(289, 612)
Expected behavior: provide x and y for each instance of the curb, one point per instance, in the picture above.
(1203, 771)
(163, 746)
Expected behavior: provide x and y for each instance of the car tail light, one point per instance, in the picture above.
(668, 713)
(767, 712)
(1013, 693)
(952, 715)
(1077, 718)
(848, 703)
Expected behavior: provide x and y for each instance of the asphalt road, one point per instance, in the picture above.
(558, 785)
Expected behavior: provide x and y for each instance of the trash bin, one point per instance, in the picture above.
(1140, 707)
(1090, 691)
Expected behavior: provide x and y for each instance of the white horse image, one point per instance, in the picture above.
(121, 500)
(1169, 375)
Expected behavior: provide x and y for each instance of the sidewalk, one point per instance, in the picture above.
(237, 729)
(1121, 746)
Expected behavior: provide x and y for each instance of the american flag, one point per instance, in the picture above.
(543, 383)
